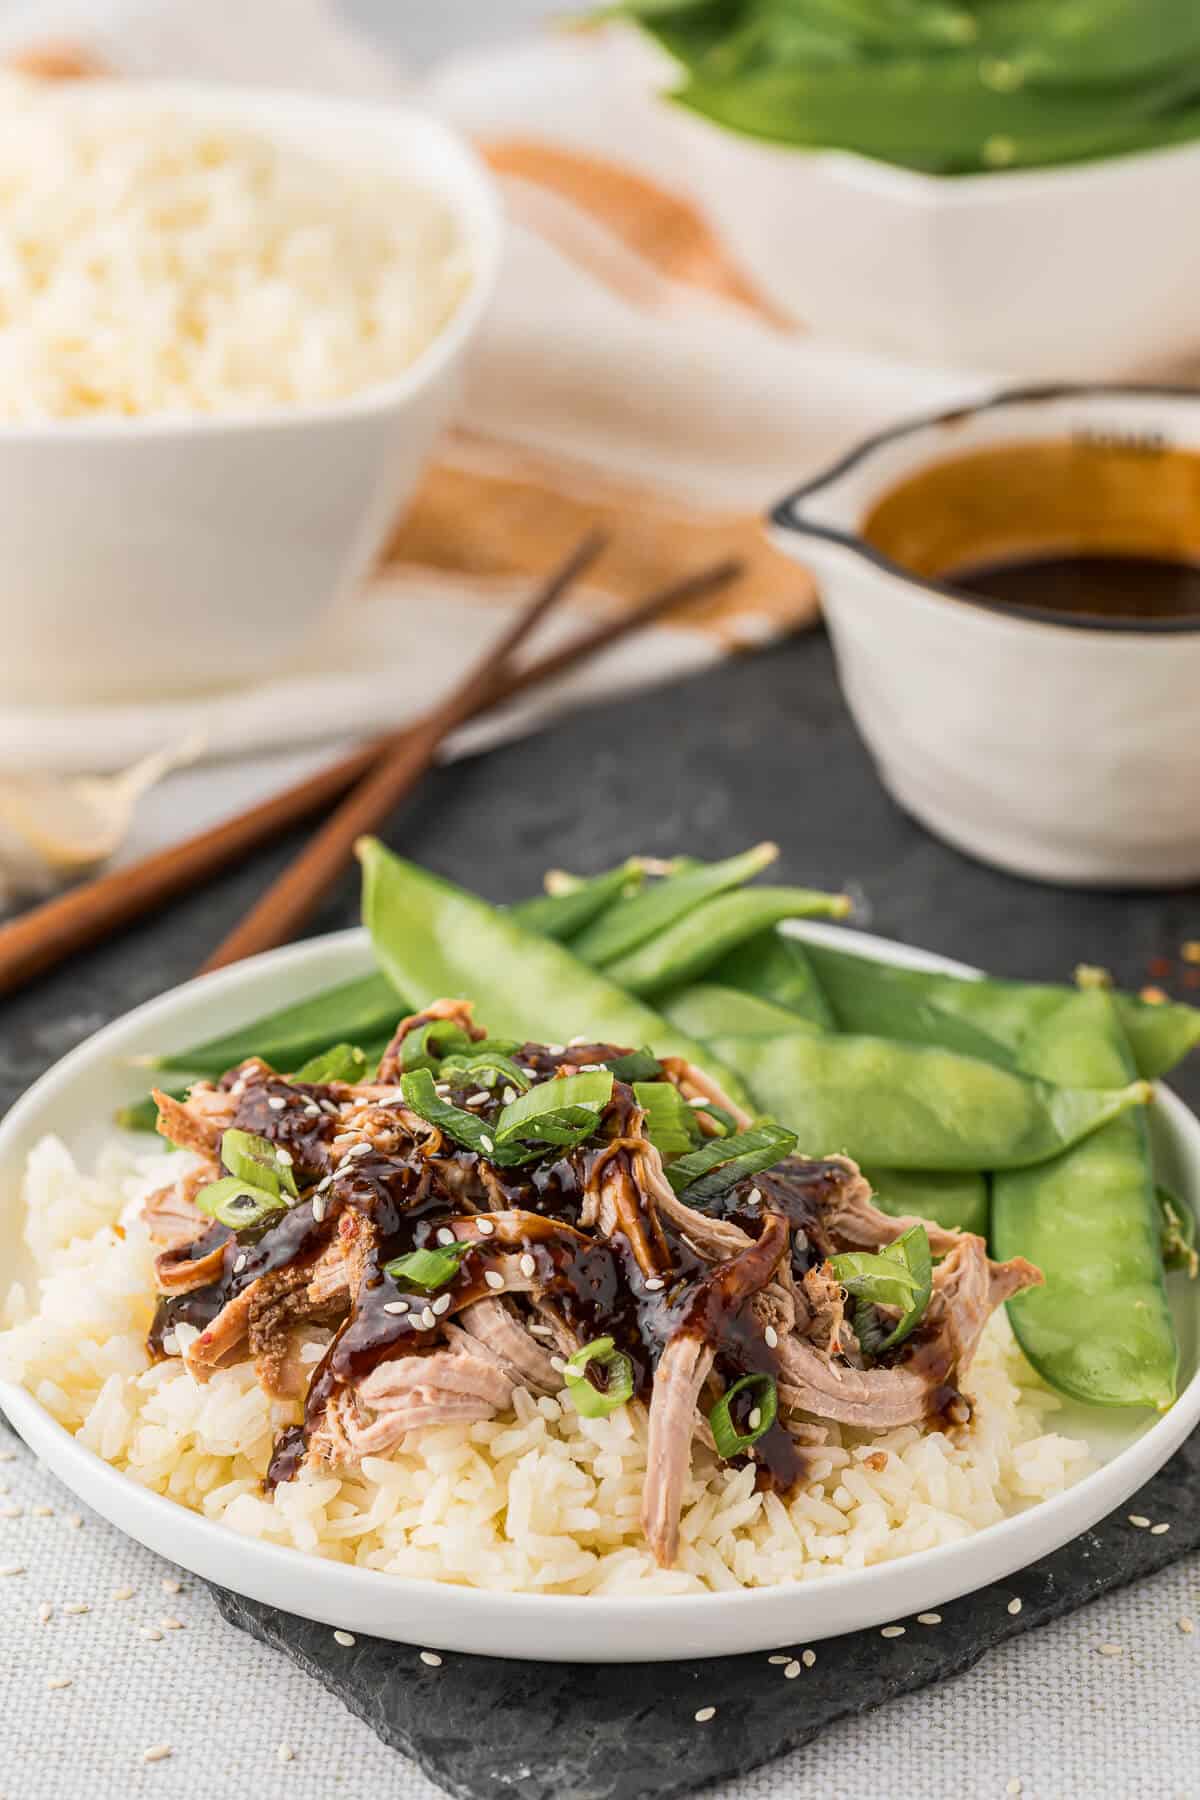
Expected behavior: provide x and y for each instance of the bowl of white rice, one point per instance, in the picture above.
(232, 325)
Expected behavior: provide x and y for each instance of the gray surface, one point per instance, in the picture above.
(761, 748)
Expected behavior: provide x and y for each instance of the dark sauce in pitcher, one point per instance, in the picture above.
(1097, 586)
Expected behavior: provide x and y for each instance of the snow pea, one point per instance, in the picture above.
(956, 1199)
(435, 939)
(664, 903)
(577, 904)
(911, 1106)
(1100, 1329)
(684, 950)
(984, 1018)
(777, 968)
(363, 1011)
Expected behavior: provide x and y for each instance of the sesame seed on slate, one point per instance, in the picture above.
(808, 1658)
(431, 1659)
(779, 1661)
(345, 1638)
(929, 1618)
(1014, 1607)
(792, 1670)
(1157, 1530)
(892, 1631)
(704, 1714)
(1140, 1520)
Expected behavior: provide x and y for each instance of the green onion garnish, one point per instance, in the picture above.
(729, 1441)
(720, 1163)
(901, 1274)
(590, 1401)
(425, 1046)
(428, 1268)
(238, 1203)
(724, 1121)
(341, 1062)
(255, 1160)
(466, 1128)
(561, 1111)
(638, 1065)
(490, 1065)
(670, 1123)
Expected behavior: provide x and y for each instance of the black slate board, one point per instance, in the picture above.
(762, 748)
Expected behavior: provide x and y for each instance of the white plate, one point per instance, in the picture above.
(76, 1099)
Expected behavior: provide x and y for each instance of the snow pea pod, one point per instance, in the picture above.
(363, 1011)
(662, 904)
(685, 950)
(777, 968)
(956, 1199)
(436, 939)
(1100, 1329)
(910, 1106)
(564, 913)
(984, 1018)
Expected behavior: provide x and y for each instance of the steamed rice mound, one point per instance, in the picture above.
(541, 1500)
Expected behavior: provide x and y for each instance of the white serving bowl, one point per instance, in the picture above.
(1079, 273)
(75, 1100)
(1054, 747)
(165, 554)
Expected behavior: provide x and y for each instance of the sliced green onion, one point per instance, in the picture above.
(720, 1163)
(670, 1123)
(428, 1268)
(238, 1203)
(427, 1044)
(560, 1111)
(901, 1274)
(590, 1401)
(490, 1065)
(342, 1062)
(636, 1065)
(729, 1441)
(464, 1127)
(256, 1160)
(724, 1121)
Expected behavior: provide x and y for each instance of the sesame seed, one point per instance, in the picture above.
(527, 1265)
(123, 1593)
(929, 1618)
(655, 1284)
(699, 1100)
(892, 1631)
(318, 1208)
(59, 1681)
(170, 1586)
(45, 1612)
(445, 1236)
(1014, 1786)
(171, 1624)
(705, 1714)
(755, 1419)
(42, 1512)
(285, 1157)
(771, 1337)
(1140, 1520)
(1157, 1530)
(277, 1103)
(151, 1633)
(485, 1142)
(1014, 1607)
(754, 1197)
(557, 1364)
(1110, 1650)
(8, 1456)
(240, 1264)
(484, 1227)
(779, 1661)
(345, 1638)
(431, 1659)
(10, 1512)
(494, 1278)
(574, 1043)
(792, 1670)
(509, 1095)
(1186, 1625)
(285, 1753)
(477, 1098)
(441, 1089)
(808, 1658)
(324, 1185)
(556, 1049)
(396, 1306)
(73, 1521)
(156, 1753)
(441, 1304)
(12, 1569)
(357, 1150)
(428, 1319)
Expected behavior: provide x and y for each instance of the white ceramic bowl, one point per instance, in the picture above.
(161, 555)
(1063, 750)
(76, 1100)
(1075, 273)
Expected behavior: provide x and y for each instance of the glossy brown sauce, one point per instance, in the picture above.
(1097, 526)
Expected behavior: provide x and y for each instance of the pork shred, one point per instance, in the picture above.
(571, 1245)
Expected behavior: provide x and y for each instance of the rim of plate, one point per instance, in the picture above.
(1137, 1460)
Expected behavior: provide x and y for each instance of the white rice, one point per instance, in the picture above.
(541, 1500)
(151, 264)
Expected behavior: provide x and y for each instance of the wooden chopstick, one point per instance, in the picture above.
(72, 922)
(290, 900)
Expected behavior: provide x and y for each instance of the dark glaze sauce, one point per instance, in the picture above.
(388, 1205)
(1103, 586)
